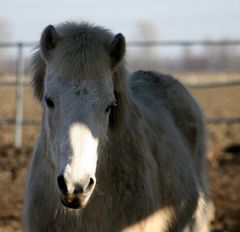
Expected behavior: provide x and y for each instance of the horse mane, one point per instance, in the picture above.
(38, 68)
(81, 45)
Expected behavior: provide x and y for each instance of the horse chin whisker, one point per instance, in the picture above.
(56, 211)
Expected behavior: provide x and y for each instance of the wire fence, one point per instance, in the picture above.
(20, 81)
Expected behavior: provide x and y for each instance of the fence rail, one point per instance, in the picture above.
(215, 84)
(184, 43)
(147, 43)
(33, 122)
(17, 44)
(20, 82)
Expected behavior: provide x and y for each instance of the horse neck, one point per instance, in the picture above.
(126, 143)
(126, 110)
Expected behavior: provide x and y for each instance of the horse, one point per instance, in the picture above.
(117, 151)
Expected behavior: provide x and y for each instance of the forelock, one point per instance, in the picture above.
(82, 47)
(82, 50)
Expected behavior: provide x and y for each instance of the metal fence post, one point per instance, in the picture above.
(19, 96)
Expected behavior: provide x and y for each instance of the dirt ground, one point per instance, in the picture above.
(223, 167)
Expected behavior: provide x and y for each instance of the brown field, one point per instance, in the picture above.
(223, 168)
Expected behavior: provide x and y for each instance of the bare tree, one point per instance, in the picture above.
(5, 36)
(145, 57)
(5, 33)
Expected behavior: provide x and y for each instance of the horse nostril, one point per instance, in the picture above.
(90, 183)
(79, 188)
(62, 184)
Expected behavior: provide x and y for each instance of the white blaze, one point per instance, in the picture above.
(84, 155)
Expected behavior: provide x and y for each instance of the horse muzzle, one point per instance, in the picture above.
(78, 196)
(74, 201)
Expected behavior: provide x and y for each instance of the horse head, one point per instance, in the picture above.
(73, 77)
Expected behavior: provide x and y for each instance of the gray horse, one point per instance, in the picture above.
(117, 151)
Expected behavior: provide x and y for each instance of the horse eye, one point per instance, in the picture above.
(49, 102)
(110, 107)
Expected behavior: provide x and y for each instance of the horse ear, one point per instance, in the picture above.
(117, 50)
(48, 42)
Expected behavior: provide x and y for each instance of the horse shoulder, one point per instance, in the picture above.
(174, 133)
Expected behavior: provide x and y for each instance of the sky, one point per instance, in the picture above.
(163, 20)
